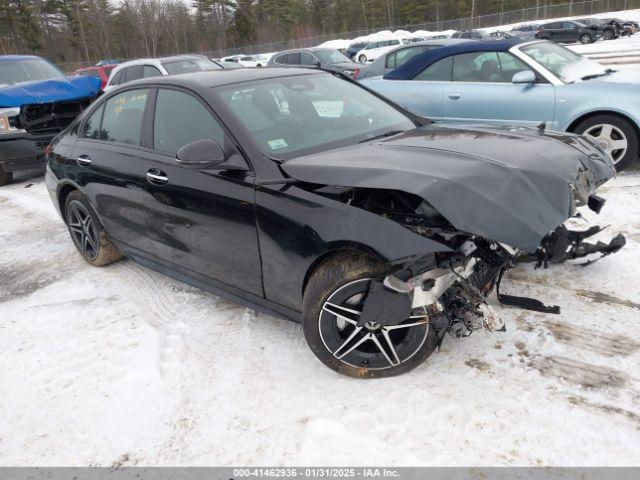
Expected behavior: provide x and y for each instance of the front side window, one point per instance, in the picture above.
(439, 71)
(122, 118)
(29, 70)
(181, 119)
(290, 116)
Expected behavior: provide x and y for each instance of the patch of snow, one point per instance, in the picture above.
(120, 364)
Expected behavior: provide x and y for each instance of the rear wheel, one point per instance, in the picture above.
(617, 136)
(585, 38)
(87, 233)
(362, 59)
(332, 306)
(608, 35)
(5, 177)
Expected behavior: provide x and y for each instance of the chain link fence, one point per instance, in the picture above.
(544, 12)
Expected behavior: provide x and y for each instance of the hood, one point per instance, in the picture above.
(47, 91)
(508, 185)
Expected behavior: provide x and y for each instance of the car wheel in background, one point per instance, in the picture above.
(617, 134)
(362, 59)
(608, 35)
(87, 233)
(333, 300)
(5, 177)
(585, 38)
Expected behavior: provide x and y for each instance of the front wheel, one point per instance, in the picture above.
(616, 135)
(5, 177)
(362, 59)
(87, 233)
(332, 306)
(585, 38)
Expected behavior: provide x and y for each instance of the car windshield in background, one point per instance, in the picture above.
(190, 65)
(331, 56)
(31, 70)
(292, 116)
(562, 62)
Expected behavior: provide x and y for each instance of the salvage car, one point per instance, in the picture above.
(519, 82)
(376, 229)
(37, 101)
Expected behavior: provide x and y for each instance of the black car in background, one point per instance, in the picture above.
(318, 57)
(304, 195)
(472, 35)
(355, 48)
(569, 31)
(610, 28)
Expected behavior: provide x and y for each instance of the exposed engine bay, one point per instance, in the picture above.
(50, 117)
(453, 287)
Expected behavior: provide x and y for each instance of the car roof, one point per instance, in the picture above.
(17, 58)
(219, 78)
(418, 63)
(158, 61)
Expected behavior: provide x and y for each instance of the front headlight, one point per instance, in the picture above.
(9, 120)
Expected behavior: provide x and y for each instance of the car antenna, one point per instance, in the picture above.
(542, 127)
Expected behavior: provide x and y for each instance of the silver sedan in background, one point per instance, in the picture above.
(396, 57)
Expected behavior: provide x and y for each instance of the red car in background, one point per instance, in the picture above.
(102, 72)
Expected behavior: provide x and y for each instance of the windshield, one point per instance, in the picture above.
(296, 115)
(331, 56)
(30, 70)
(190, 65)
(568, 66)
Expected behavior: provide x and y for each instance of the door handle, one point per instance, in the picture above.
(83, 160)
(454, 96)
(157, 177)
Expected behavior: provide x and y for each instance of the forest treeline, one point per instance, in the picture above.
(68, 31)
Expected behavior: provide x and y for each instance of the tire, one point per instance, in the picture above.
(585, 38)
(362, 59)
(5, 177)
(608, 35)
(619, 127)
(87, 233)
(347, 275)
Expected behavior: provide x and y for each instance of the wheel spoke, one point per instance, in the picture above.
(91, 242)
(406, 325)
(387, 339)
(85, 243)
(356, 331)
(605, 132)
(76, 228)
(347, 314)
(618, 145)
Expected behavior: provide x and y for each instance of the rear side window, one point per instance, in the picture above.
(307, 59)
(122, 119)
(150, 71)
(181, 119)
(437, 72)
(133, 73)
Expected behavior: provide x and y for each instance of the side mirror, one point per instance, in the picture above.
(524, 77)
(201, 153)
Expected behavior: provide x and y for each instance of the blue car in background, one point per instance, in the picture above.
(37, 101)
(526, 83)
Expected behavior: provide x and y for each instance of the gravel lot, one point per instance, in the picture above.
(123, 366)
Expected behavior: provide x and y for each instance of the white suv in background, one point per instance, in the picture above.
(158, 67)
(372, 51)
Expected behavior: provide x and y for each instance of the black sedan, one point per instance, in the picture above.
(302, 194)
(569, 31)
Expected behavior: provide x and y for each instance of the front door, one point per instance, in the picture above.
(203, 221)
(482, 91)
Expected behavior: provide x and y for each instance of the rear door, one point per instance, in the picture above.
(482, 91)
(201, 221)
(111, 165)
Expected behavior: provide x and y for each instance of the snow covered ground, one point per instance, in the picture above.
(123, 366)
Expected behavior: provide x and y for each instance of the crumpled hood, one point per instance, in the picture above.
(509, 185)
(47, 91)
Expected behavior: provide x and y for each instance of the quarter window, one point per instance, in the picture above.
(122, 119)
(437, 72)
(181, 119)
(91, 127)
